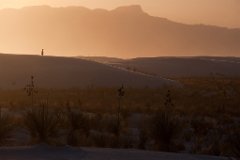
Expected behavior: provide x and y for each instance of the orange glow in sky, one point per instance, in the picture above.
(214, 12)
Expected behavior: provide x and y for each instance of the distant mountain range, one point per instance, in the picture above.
(123, 32)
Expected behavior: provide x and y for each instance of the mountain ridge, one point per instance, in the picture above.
(131, 8)
(122, 32)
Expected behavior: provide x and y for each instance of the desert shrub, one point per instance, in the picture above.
(43, 123)
(110, 124)
(200, 126)
(197, 145)
(127, 139)
(144, 132)
(96, 121)
(6, 127)
(188, 133)
(78, 125)
(234, 139)
(103, 139)
(143, 138)
(203, 133)
(165, 129)
(213, 143)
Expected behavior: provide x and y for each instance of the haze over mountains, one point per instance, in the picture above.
(123, 32)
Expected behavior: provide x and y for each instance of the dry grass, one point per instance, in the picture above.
(90, 119)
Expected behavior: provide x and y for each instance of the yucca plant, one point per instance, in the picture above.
(121, 94)
(40, 121)
(168, 103)
(31, 90)
(165, 127)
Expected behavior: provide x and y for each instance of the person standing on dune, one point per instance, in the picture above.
(42, 53)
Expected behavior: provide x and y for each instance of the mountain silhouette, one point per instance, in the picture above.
(123, 32)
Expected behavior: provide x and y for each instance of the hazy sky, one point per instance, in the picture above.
(216, 12)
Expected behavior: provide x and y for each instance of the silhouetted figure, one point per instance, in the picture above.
(42, 53)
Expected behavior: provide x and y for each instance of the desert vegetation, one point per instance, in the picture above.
(201, 116)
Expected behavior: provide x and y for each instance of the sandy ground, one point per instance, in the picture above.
(44, 152)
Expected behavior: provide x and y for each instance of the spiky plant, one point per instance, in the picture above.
(165, 126)
(31, 90)
(168, 103)
(121, 94)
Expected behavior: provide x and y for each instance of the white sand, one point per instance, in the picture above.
(44, 152)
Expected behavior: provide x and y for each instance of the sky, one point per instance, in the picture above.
(214, 12)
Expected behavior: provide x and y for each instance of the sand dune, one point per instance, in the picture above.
(44, 152)
(180, 66)
(60, 72)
